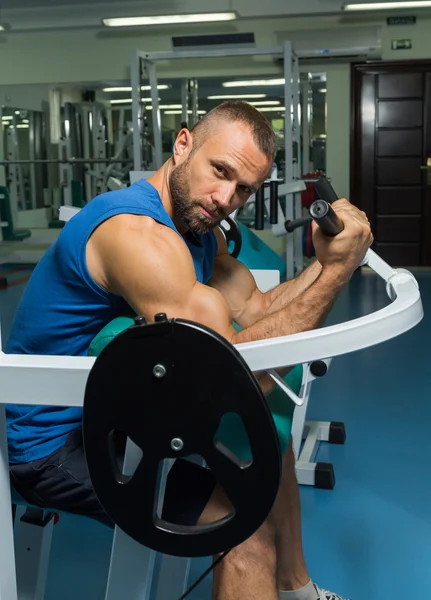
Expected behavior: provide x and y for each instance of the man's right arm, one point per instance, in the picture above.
(150, 266)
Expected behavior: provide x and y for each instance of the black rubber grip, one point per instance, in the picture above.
(325, 190)
(273, 202)
(327, 219)
(259, 216)
(294, 224)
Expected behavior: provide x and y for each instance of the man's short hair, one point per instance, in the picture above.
(243, 112)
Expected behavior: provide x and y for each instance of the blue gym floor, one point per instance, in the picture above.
(370, 537)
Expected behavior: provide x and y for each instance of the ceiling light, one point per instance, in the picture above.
(265, 103)
(236, 96)
(323, 90)
(21, 126)
(169, 19)
(7, 118)
(162, 86)
(180, 112)
(128, 100)
(149, 106)
(255, 82)
(2, 28)
(387, 5)
(272, 109)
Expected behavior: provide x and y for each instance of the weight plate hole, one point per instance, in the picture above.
(117, 442)
(232, 440)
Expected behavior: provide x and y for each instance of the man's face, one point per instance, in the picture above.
(218, 177)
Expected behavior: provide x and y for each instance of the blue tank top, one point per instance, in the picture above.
(63, 309)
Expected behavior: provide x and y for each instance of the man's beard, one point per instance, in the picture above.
(186, 209)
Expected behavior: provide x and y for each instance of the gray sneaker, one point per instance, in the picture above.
(325, 595)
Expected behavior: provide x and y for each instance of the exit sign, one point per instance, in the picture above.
(401, 20)
(402, 45)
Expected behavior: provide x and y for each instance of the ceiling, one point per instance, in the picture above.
(18, 4)
(46, 15)
(33, 15)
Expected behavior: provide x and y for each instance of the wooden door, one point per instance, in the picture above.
(391, 146)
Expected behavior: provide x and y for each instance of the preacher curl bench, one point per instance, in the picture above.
(172, 359)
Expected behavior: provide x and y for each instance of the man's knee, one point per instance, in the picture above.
(257, 551)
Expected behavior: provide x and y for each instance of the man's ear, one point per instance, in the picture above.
(183, 146)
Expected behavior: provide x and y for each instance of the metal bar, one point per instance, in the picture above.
(195, 101)
(157, 124)
(131, 566)
(2, 168)
(297, 235)
(306, 473)
(306, 125)
(215, 53)
(8, 588)
(33, 549)
(311, 443)
(288, 145)
(184, 100)
(135, 71)
(31, 144)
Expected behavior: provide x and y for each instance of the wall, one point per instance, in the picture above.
(338, 97)
(338, 128)
(80, 56)
(419, 34)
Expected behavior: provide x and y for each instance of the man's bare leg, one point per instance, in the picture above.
(249, 571)
(272, 559)
(291, 569)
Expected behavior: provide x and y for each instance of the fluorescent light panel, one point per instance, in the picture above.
(388, 5)
(265, 103)
(128, 100)
(236, 96)
(169, 19)
(162, 86)
(180, 112)
(272, 109)
(162, 106)
(255, 82)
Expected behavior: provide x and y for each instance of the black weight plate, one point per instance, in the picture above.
(205, 379)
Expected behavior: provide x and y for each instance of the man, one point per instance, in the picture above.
(155, 247)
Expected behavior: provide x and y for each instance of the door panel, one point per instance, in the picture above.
(405, 113)
(401, 85)
(391, 141)
(398, 142)
(394, 229)
(401, 201)
(401, 171)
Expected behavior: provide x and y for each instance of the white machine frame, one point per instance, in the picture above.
(146, 62)
(36, 380)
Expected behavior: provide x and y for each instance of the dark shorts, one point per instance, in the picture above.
(62, 482)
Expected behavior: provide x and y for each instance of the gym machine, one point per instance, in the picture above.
(152, 355)
(148, 153)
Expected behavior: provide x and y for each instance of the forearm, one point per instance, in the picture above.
(283, 294)
(305, 312)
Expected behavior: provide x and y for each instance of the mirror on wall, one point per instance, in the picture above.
(96, 124)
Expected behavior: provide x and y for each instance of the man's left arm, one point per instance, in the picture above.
(247, 303)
